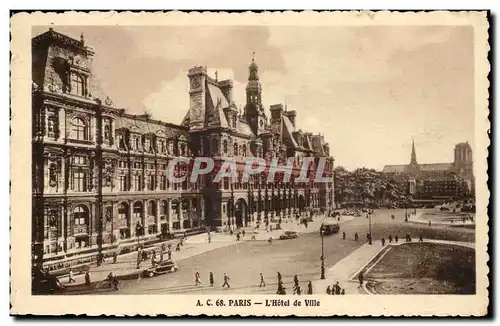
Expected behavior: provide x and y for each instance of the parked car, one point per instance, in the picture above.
(163, 267)
(289, 235)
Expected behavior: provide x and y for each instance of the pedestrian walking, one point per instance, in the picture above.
(115, 257)
(153, 258)
(70, 276)
(309, 287)
(178, 248)
(333, 290)
(343, 292)
(211, 278)
(396, 239)
(169, 253)
(421, 238)
(226, 281)
(390, 238)
(343, 235)
(430, 223)
(209, 238)
(281, 289)
(197, 278)
(360, 278)
(262, 283)
(356, 237)
(243, 233)
(383, 242)
(328, 290)
(238, 236)
(87, 278)
(110, 279)
(337, 288)
(115, 283)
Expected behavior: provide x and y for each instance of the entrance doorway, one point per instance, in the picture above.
(241, 213)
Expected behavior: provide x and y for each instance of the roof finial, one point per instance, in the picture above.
(253, 56)
(82, 39)
(216, 75)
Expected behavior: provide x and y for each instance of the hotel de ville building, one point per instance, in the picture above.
(100, 173)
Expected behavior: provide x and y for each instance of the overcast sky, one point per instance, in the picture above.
(369, 90)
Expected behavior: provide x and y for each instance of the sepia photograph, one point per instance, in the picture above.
(263, 166)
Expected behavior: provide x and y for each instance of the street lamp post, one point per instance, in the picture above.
(370, 228)
(322, 255)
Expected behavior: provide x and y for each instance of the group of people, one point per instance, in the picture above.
(211, 280)
(335, 289)
(297, 289)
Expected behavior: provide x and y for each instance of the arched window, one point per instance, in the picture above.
(79, 129)
(244, 150)
(164, 207)
(235, 149)
(151, 208)
(225, 146)
(123, 211)
(137, 209)
(81, 215)
(77, 86)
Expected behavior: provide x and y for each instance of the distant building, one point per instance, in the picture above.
(454, 179)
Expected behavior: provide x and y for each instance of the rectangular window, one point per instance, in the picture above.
(163, 182)
(137, 184)
(79, 182)
(150, 182)
(122, 186)
(79, 160)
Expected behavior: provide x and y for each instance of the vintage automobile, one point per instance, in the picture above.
(328, 228)
(289, 235)
(163, 267)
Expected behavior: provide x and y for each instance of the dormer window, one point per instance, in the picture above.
(137, 144)
(147, 145)
(77, 85)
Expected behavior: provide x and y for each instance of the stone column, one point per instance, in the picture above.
(170, 216)
(62, 227)
(181, 216)
(144, 215)
(61, 127)
(202, 210)
(190, 213)
(131, 222)
(157, 217)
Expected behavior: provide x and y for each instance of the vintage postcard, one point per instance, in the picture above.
(252, 164)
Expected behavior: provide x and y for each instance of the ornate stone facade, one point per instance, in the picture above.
(98, 172)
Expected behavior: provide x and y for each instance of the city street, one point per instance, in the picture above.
(244, 261)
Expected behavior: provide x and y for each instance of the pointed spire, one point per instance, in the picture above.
(216, 75)
(413, 153)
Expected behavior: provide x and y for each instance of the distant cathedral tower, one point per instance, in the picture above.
(413, 154)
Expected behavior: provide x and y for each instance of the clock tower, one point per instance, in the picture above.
(254, 110)
(197, 78)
